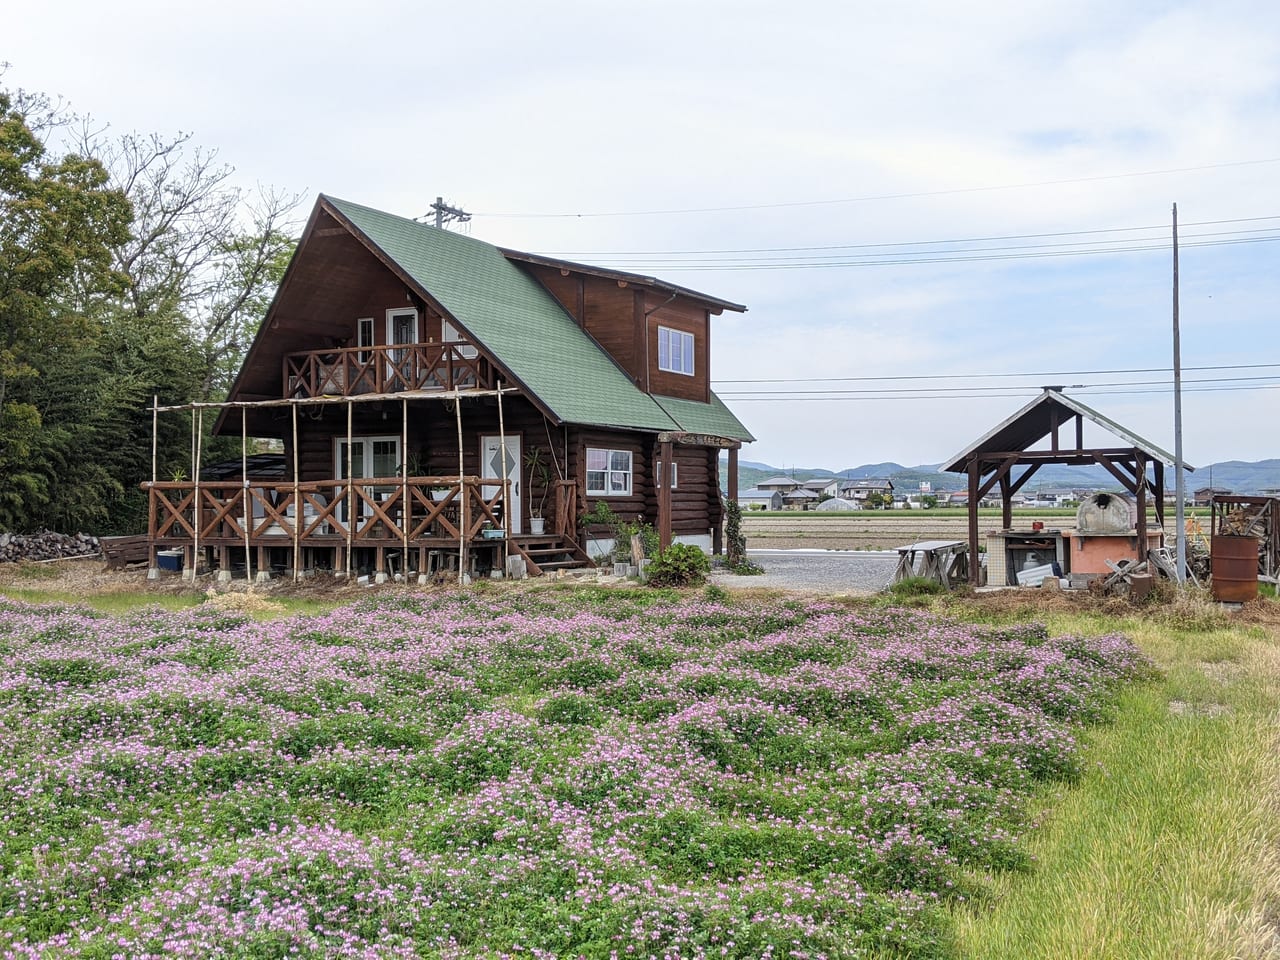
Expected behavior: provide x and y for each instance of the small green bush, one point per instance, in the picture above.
(680, 565)
(916, 587)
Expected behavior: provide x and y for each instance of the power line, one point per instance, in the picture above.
(991, 376)
(977, 257)
(879, 197)
(906, 243)
(979, 391)
(1101, 391)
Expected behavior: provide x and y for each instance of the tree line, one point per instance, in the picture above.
(131, 266)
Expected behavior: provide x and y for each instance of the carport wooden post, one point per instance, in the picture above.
(974, 570)
(1140, 485)
(664, 496)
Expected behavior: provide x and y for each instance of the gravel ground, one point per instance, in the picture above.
(820, 571)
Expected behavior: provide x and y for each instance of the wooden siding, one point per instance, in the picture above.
(687, 317)
(605, 310)
(695, 502)
(625, 321)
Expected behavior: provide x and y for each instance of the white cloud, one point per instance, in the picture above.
(574, 107)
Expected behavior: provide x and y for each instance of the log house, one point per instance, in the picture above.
(398, 361)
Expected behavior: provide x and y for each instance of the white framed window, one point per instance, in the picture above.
(660, 472)
(675, 351)
(364, 338)
(608, 472)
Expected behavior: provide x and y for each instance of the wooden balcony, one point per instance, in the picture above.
(454, 515)
(366, 511)
(352, 371)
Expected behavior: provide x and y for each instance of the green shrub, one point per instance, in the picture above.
(916, 587)
(680, 565)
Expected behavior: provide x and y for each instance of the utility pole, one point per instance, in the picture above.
(1180, 509)
(446, 213)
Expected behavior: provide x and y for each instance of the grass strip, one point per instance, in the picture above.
(1166, 847)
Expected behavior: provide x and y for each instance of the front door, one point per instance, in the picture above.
(491, 466)
(402, 329)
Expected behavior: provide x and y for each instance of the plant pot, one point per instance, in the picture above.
(537, 526)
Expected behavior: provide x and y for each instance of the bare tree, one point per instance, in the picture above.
(203, 252)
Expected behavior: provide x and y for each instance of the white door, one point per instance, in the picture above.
(402, 329)
(491, 466)
(370, 457)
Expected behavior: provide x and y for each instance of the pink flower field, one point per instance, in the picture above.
(545, 774)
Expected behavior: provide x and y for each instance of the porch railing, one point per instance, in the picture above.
(368, 511)
(386, 369)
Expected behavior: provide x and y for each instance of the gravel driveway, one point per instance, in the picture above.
(819, 571)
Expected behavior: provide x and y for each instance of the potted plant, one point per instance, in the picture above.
(539, 476)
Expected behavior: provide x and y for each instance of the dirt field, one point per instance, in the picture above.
(865, 530)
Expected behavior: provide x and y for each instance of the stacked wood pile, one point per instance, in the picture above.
(45, 545)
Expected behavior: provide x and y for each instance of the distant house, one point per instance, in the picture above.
(781, 484)
(822, 486)
(861, 489)
(1204, 496)
(757, 499)
(799, 499)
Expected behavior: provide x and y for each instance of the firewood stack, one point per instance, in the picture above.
(1237, 523)
(45, 545)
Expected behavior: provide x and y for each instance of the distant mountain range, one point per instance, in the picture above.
(1237, 476)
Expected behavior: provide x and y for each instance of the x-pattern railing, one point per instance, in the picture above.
(385, 369)
(437, 508)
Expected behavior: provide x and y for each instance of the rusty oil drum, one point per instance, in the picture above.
(1235, 568)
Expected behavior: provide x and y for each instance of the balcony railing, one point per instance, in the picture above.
(351, 371)
(368, 511)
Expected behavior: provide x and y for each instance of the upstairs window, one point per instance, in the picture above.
(675, 351)
(608, 472)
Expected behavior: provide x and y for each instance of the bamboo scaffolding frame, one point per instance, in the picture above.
(462, 509)
(155, 434)
(404, 489)
(314, 401)
(244, 478)
(455, 396)
(297, 505)
(506, 483)
(197, 425)
(351, 495)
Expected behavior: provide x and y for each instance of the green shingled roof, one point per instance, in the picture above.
(713, 418)
(514, 319)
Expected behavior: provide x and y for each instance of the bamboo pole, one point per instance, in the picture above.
(404, 488)
(244, 478)
(506, 483)
(297, 505)
(315, 401)
(155, 426)
(351, 495)
(152, 568)
(462, 489)
(195, 496)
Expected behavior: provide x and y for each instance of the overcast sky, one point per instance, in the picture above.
(819, 162)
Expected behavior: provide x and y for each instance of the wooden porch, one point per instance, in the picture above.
(355, 371)
(391, 526)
